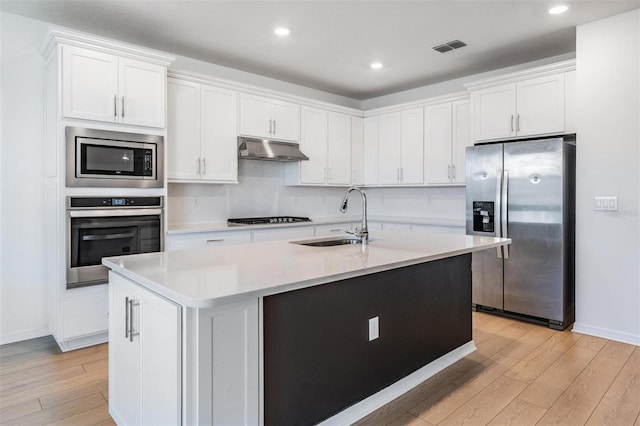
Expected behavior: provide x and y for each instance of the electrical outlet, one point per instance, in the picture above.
(374, 331)
(609, 203)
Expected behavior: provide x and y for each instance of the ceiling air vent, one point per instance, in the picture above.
(448, 46)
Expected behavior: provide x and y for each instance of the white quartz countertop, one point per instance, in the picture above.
(186, 228)
(212, 276)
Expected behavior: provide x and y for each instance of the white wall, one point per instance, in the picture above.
(608, 163)
(22, 284)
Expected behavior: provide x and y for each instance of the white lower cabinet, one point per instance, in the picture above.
(228, 370)
(145, 362)
(439, 229)
(207, 239)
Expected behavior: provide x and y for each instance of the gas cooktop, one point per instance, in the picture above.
(269, 220)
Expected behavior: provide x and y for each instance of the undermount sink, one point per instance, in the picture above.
(328, 242)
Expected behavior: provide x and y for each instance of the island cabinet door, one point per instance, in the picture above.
(228, 374)
(144, 356)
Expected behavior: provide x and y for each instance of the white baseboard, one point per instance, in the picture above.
(21, 335)
(606, 333)
(83, 342)
(367, 406)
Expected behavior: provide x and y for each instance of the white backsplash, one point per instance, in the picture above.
(262, 192)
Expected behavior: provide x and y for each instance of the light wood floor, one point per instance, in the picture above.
(521, 374)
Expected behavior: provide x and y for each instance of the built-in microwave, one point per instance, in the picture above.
(103, 158)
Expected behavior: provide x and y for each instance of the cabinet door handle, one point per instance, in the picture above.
(398, 174)
(215, 240)
(198, 164)
(131, 332)
(274, 127)
(126, 317)
(402, 174)
(204, 166)
(453, 169)
(115, 105)
(270, 127)
(511, 123)
(518, 123)
(449, 171)
(122, 112)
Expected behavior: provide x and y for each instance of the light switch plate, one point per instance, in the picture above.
(609, 203)
(374, 331)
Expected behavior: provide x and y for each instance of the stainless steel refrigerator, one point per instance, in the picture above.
(524, 190)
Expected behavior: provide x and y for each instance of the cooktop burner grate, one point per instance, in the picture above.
(270, 220)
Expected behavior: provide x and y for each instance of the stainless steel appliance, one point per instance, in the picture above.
(100, 158)
(524, 190)
(267, 220)
(99, 227)
(266, 149)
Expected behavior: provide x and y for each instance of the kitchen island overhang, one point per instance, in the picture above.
(230, 296)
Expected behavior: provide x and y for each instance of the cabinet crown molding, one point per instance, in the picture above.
(450, 97)
(57, 36)
(196, 77)
(555, 68)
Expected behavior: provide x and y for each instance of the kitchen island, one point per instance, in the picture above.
(282, 333)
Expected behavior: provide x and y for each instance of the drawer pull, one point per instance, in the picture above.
(215, 240)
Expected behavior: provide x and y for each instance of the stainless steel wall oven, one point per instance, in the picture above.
(102, 158)
(100, 227)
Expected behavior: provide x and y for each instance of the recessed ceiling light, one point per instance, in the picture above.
(558, 9)
(376, 65)
(282, 31)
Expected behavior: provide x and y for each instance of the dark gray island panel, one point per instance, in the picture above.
(318, 359)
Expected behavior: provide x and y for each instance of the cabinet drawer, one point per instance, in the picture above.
(207, 239)
(85, 311)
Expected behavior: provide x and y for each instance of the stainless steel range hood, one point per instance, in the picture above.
(266, 149)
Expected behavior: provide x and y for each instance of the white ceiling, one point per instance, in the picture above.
(332, 43)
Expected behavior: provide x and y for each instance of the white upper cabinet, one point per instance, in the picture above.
(528, 107)
(201, 133)
(400, 147)
(370, 151)
(313, 143)
(339, 149)
(269, 118)
(447, 134)
(357, 151)
(326, 139)
(104, 87)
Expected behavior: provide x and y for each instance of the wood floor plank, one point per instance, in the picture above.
(51, 388)
(28, 361)
(528, 342)
(402, 404)
(441, 404)
(591, 342)
(487, 404)
(547, 387)
(409, 420)
(95, 365)
(93, 416)
(41, 344)
(60, 412)
(611, 358)
(33, 382)
(575, 405)
(51, 367)
(68, 395)
(518, 413)
(621, 404)
(532, 365)
(18, 410)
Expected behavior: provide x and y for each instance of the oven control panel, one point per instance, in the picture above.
(113, 202)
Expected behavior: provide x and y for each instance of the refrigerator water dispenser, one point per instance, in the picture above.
(483, 220)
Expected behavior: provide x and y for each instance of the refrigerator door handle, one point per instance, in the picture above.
(503, 213)
(498, 211)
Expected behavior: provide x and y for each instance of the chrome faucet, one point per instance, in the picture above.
(363, 231)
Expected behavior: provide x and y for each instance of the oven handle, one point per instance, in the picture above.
(111, 213)
(107, 236)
